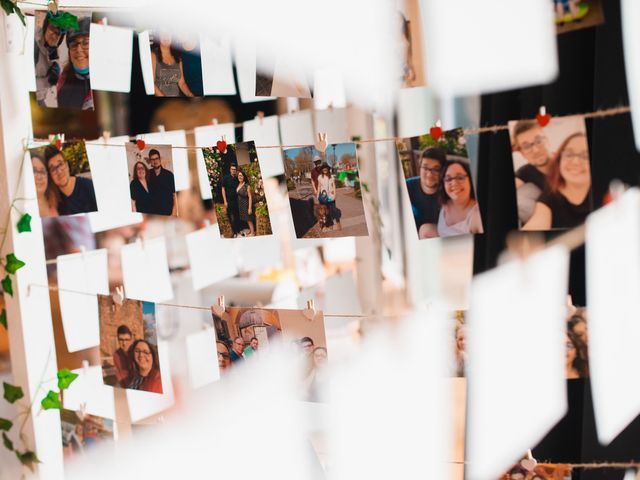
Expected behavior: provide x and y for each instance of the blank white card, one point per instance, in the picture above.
(80, 277)
(145, 271)
(110, 60)
(211, 258)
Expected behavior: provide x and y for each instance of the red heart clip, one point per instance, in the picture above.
(222, 146)
(140, 144)
(543, 118)
(59, 144)
(435, 132)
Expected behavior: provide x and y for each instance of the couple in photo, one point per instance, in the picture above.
(61, 60)
(153, 190)
(136, 363)
(58, 192)
(553, 188)
(238, 201)
(442, 196)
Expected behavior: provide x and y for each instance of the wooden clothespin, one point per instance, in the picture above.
(321, 142)
(260, 117)
(543, 118)
(106, 135)
(293, 105)
(52, 6)
(161, 128)
(219, 308)
(214, 121)
(310, 311)
(528, 462)
(118, 296)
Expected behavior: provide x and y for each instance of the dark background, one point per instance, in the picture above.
(592, 77)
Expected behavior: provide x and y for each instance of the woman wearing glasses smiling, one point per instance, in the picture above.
(146, 369)
(74, 87)
(460, 213)
(567, 201)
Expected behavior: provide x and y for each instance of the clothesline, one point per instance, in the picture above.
(607, 112)
(176, 305)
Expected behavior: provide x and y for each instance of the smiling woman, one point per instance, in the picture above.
(74, 87)
(460, 213)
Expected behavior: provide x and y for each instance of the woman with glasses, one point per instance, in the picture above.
(146, 368)
(74, 87)
(459, 213)
(47, 193)
(567, 201)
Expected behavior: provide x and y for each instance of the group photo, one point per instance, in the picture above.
(129, 345)
(152, 183)
(83, 431)
(238, 191)
(176, 64)
(62, 178)
(324, 190)
(61, 58)
(552, 173)
(440, 185)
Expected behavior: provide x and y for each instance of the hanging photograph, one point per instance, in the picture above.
(244, 335)
(82, 432)
(577, 14)
(129, 345)
(62, 179)
(440, 184)
(541, 471)
(552, 172)
(152, 183)
(176, 64)
(61, 57)
(278, 78)
(325, 192)
(237, 190)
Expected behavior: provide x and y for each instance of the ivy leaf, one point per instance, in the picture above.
(28, 459)
(51, 401)
(9, 7)
(12, 393)
(8, 444)
(5, 424)
(64, 21)
(66, 378)
(13, 264)
(365, 186)
(3, 318)
(7, 285)
(24, 224)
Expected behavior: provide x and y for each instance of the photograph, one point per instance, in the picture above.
(63, 180)
(176, 64)
(279, 79)
(152, 184)
(438, 178)
(324, 191)
(542, 471)
(552, 172)
(577, 14)
(81, 432)
(577, 344)
(61, 57)
(411, 47)
(237, 190)
(129, 345)
(245, 334)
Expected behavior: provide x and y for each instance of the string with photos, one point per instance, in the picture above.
(602, 113)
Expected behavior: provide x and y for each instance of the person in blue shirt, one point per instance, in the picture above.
(423, 192)
(76, 193)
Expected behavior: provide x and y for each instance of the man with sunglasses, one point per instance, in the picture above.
(76, 193)
(423, 192)
(531, 178)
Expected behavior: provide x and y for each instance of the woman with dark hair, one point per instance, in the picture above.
(74, 86)
(47, 193)
(245, 201)
(168, 73)
(567, 202)
(327, 196)
(577, 365)
(459, 213)
(139, 189)
(145, 373)
(49, 60)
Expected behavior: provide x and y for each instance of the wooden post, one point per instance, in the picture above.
(33, 354)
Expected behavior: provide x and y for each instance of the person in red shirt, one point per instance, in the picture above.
(145, 368)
